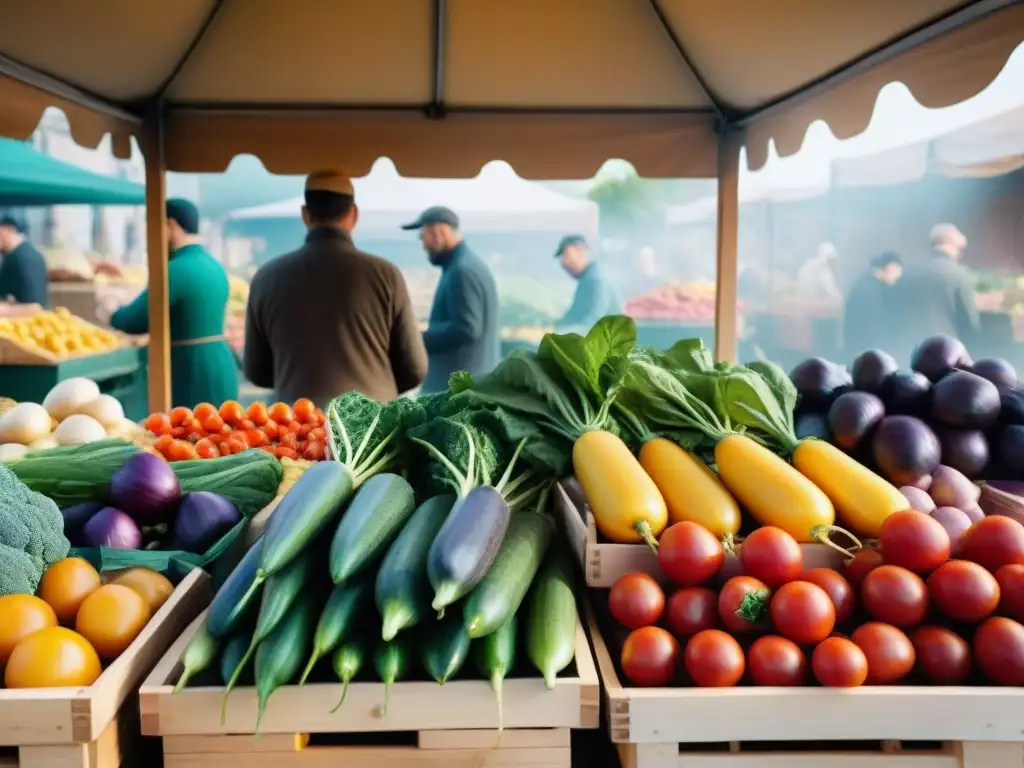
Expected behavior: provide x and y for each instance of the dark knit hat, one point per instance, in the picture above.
(185, 213)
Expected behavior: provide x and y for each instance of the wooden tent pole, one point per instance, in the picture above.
(156, 259)
(727, 236)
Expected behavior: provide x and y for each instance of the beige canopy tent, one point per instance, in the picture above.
(554, 87)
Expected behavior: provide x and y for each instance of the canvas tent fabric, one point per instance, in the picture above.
(29, 178)
(554, 87)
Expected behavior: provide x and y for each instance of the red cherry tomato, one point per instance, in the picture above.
(714, 659)
(895, 595)
(994, 542)
(650, 657)
(636, 600)
(743, 604)
(864, 562)
(839, 663)
(689, 554)
(964, 591)
(691, 610)
(771, 555)
(942, 655)
(1011, 590)
(914, 540)
(889, 652)
(999, 650)
(774, 660)
(803, 612)
(838, 589)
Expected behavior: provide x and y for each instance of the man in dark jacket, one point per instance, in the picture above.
(463, 332)
(595, 295)
(328, 318)
(23, 276)
(869, 312)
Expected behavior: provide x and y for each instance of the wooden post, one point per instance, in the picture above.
(726, 315)
(156, 259)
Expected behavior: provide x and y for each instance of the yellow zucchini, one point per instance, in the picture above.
(863, 500)
(628, 507)
(692, 491)
(771, 489)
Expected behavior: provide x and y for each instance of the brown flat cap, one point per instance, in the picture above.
(337, 182)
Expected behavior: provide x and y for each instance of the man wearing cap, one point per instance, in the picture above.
(462, 333)
(203, 367)
(595, 295)
(328, 318)
(23, 277)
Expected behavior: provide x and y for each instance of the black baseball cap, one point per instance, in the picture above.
(568, 240)
(436, 214)
(185, 213)
(13, 222)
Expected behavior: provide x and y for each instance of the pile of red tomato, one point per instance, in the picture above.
(903, 610)
(206, 431)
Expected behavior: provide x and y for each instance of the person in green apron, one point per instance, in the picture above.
(203, 367)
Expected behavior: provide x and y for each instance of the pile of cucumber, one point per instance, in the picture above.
(367, 584)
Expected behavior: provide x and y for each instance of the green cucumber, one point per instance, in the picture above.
(444, 648)
(308, 508)
(498, 596)
(347, 661)
(231, 657)
(283, 590)
(199, 654)
(236, 598)
(403, 591)
(346, 606)
(494, 656)
(279, 657)
(551, 618)
(372, 521)
(392, 663)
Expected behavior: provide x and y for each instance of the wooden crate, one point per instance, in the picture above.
(603, 562)
(996, 502)
(447, 726)
(868, 727)
(94, 727)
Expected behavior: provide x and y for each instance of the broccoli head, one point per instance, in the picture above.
(30, 525)
(18, 572)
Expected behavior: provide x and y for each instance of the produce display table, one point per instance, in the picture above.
(449, 726)
(96, 727)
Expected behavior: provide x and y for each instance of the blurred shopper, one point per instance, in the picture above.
(23, 277)
(463, 332)
(936, 295)
(328, 318)
(595, 295)
(203, 367)
(869, 312)
(816, 278)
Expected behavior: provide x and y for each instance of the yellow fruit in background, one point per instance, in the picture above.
(54, 657)
(111, 618)
(65, 584)
(153, 587)
(21, 616)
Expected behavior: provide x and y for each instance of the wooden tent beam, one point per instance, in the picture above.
(159, 366)
(727, 253)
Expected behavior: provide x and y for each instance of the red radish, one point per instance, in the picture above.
(838, 588)
(964, 591)
(994, 542)
(636, 600)
(691, 610)
(1011, 591)
(914, 540)
(956, 523)
(771, 555)
(650, 657)
(942, 655)
(895, 595)
(689, 554)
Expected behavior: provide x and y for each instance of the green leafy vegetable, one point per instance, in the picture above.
(367, 437)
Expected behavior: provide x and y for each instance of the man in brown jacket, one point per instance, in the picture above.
(328, 318)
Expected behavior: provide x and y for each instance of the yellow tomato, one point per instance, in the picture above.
(20, 616)
(151, 586)
(66, 584)
(111, 618)
(52, 658)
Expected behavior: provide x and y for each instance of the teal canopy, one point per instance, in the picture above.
(28, 177)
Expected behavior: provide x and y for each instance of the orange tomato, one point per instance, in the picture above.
(268, 448)
(224, 448)
(294, 427)
(163, 443)
(194, 427)
(317, 433)
(153, 587)
(271, 430)
(204, 411)
(305, 410)
(158, 424)
(207, 449)
(20, 616)
(304, 430)
(234, 444)
(232, 412)
(239, 435)
(179, 432)
(321, 417)
(314, 451)
(180, 416)
(281, 413)
(111, 618)
(255, 438)
(181, 450)
(53, 658)
(283, 452)
(213, 423)
(257, 414)
(288, 440)
(65, 584)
